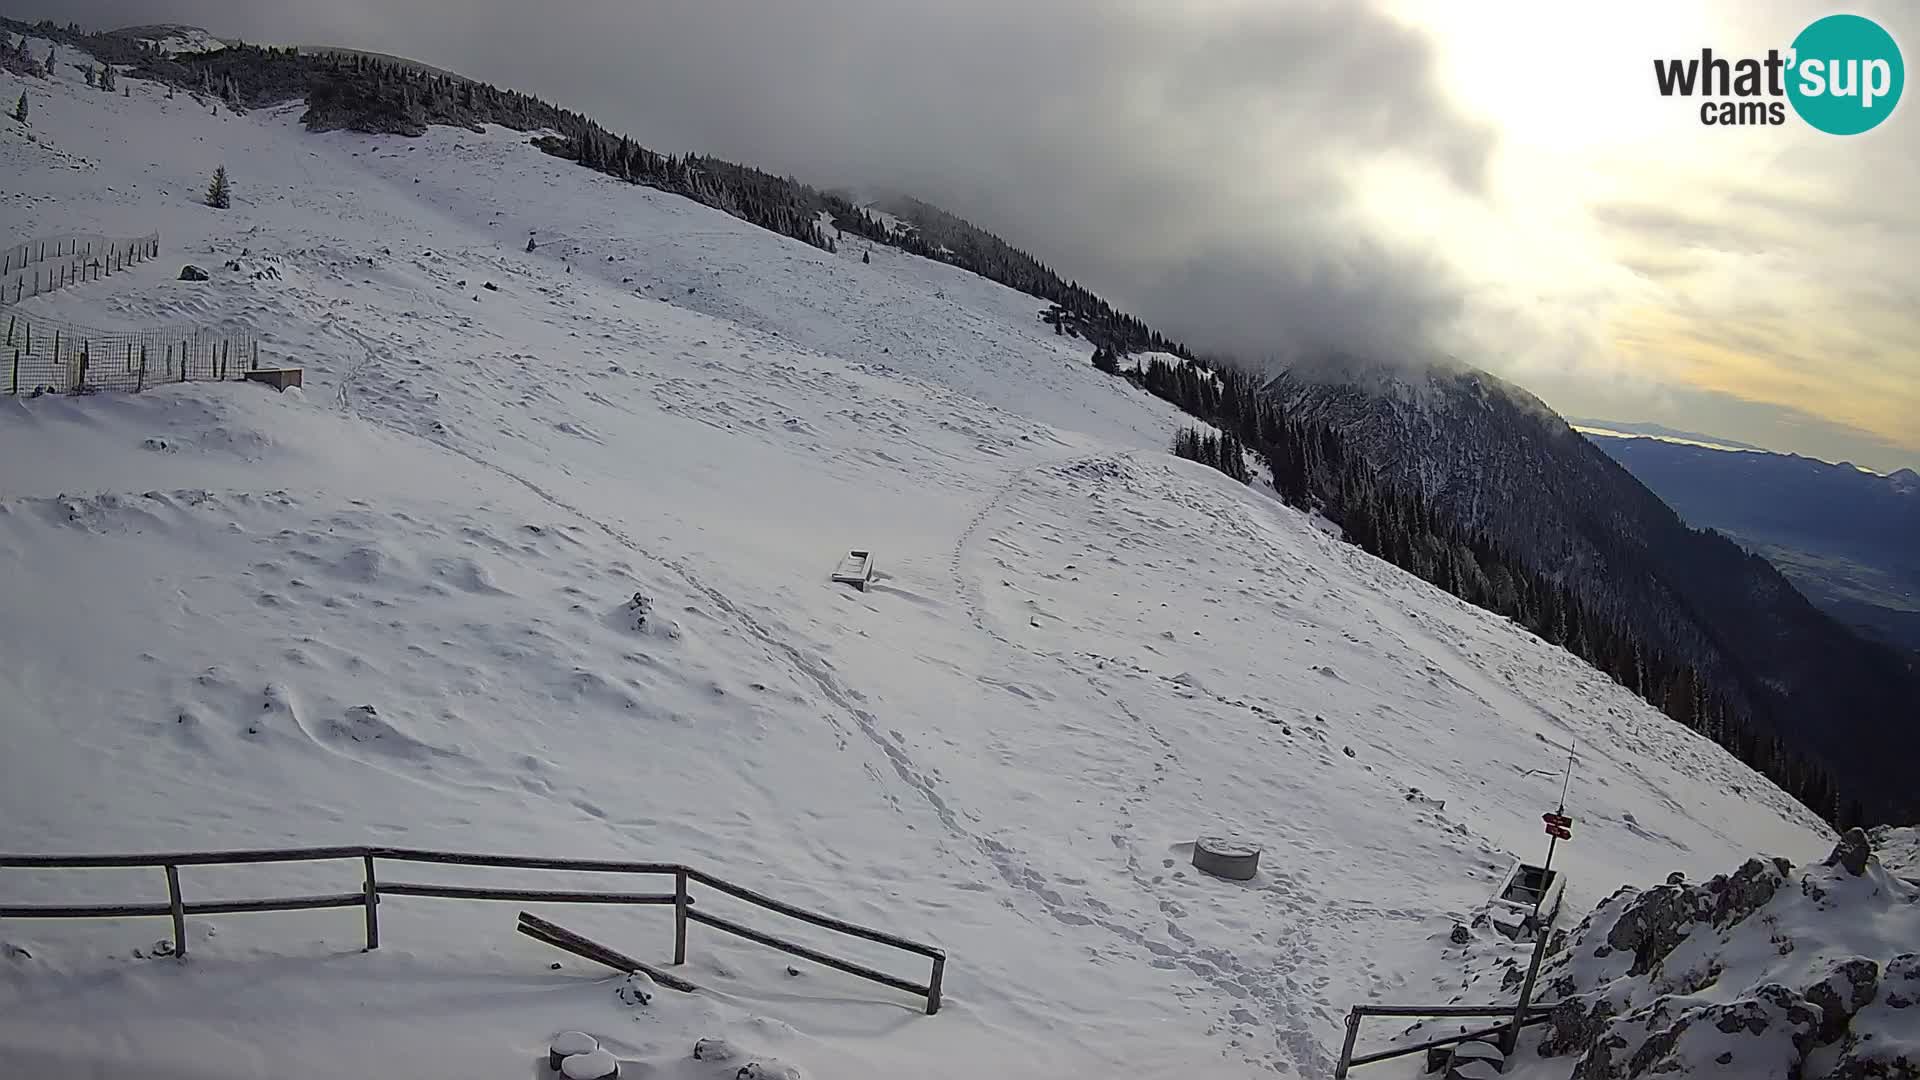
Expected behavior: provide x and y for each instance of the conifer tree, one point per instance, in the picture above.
(219, 193)
(20, 108)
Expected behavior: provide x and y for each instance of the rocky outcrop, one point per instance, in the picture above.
(1764, 972)
(1852, 852)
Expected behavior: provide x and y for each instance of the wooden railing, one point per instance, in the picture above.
(372, 887)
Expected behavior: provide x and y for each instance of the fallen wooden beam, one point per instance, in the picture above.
(566, 940)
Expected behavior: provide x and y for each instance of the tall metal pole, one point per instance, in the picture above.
(1512, 1037)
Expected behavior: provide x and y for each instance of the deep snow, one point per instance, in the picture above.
(1078, 654)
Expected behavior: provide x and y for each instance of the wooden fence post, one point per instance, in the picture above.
(933, 984)
(680, 916)
(179, 912)
(140, 383)
(372, 892)
(16, 373)
(10, 320)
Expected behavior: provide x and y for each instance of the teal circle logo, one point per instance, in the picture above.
(1846, 74)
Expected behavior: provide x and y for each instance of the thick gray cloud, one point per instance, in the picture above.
(1189, 161)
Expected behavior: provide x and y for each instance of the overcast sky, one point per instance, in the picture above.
(1495, 180)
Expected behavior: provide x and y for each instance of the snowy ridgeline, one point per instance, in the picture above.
(1771, 971)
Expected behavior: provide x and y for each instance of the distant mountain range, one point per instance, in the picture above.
(1656, 431)
(1496, 461)
(1849, 539)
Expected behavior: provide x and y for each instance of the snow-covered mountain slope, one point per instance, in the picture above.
(1495, 462)
(393, 607)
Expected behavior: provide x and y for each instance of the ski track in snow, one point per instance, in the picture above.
(392, 607)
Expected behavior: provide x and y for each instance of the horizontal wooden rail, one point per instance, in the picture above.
(83, 911)
(291, 903)
(850, 929)
(193, 858)
(526, 862)
(1536, 1014)
(1465, 1036)
(372, 888)
(814, 955)
(1436, 1010)
(557, 896)
(204, 907)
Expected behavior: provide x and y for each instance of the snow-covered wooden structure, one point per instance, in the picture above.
(1524, 888)
(856, 569)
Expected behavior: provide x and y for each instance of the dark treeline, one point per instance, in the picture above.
(361, 92)
(1219, 450)
(1076, 310)
(1314, 470)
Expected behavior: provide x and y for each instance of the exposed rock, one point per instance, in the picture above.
(192, 273)
(1902, 981)
(1461, 935)
(1676, 878)
(1575, 1025)
(1852, 852)
(1846, 991)
(1673, 1037)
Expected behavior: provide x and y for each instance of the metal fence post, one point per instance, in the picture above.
(1346, 1051)
(680, 916)
(373, 905)
(179, 913)
(933, 984)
